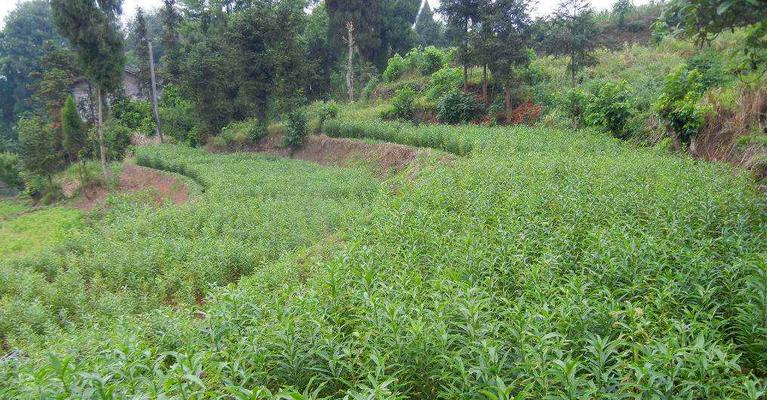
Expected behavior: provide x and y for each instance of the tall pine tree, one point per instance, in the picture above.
(574, 34)
(429, 31)
(92, 28)
(171, 60)
(140, 35)
(461, 16)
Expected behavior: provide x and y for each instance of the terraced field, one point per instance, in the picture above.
(540, 264)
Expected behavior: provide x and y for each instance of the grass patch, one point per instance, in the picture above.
(32, 232)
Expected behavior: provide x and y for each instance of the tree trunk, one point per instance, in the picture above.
(484, 85)
(154, 94)
(572, 67)
(100, 130)
(507, 103)
(350, 61)
(465, 77)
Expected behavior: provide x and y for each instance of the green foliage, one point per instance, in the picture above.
(432, 60)
(28, 36)
(237, 135)
(41, 189)
(402, 103)
(36, 147)
(10, 170)
(394, 68)
(585, 265)
(609, 108)
(30, 232)
(296, 132)
(328, 111)
(430, 32)
(75, 135)
(135, 115)
(92, 29)
(436, 137)
(443, 82)
(458, 107)
(117, 138)
(177, 116)
(574, 34)
(679, 104)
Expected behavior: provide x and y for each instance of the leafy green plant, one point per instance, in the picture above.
(432, 60)
(609, 108)
(327, 112)
(10, 170)
(394, 68)
(402, 103)
(296, 132)
(679, 104)
(117, 138)
(443, 82)
(458, 107)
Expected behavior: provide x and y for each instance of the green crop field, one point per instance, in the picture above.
(552, 264)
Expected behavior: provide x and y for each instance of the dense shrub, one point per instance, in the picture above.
(432, 60)
(679, 104)
(117, 139)
(327, 112)
(295, 132)
(609, 108)
(395, 68)
(572, 102)
(41, 189)
(10, 170)
(402, 103)
(443, 82)
(458, 107)
(136, 115)
(177, 116)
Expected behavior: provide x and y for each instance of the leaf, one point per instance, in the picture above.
(724, 7)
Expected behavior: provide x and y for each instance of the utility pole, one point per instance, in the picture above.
(154, 94)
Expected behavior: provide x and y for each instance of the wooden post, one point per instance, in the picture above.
(154, 93)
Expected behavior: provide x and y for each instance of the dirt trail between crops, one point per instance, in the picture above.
(324, 150)
(161, 186)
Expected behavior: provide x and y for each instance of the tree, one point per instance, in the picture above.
(365, 16)
(319, 53)
(621, 8)
(142, 51)
(74, 133)
(704, 20)
(27, 28)
(509, 22)
(171, 59)
(429, 32)
(574, 34)
(91, 26)
(397, 34)
(36, 147)
(461, 15)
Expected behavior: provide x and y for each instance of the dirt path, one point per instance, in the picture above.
(384, 157)
(133, 178)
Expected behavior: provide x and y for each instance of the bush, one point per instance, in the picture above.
(457, 107)
(136, 115)
(395, 68)
(609, 108)
(678, 105)
(402, 103)
(41, 189)
(10, 170)
(177, 116)
(327, 111)
(573, 105)
(432, 60)
(117, 140)
(296, 131)
(443, 82)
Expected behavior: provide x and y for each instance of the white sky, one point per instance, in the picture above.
(129, 6)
